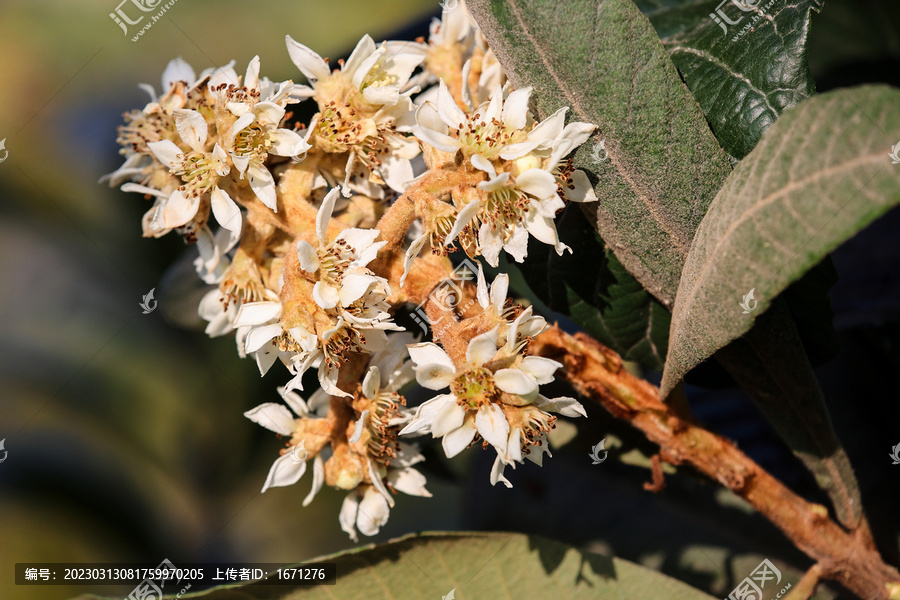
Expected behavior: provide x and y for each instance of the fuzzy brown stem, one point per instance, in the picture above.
(597, 373)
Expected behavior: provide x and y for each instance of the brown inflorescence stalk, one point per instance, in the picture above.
(597, 372)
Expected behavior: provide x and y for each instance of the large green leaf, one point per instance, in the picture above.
(594, 289)
(817, 177)
(742, 79)
(605, 61)
(476, 566)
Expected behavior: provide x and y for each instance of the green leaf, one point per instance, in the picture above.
(818, 176)
(605, 61)
(594, 289)
(742, 79)
(476, 566)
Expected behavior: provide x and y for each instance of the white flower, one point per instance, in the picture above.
(258, 330)
(523, 168)
(291, 465)
(494, 395)
(367, 507)
(364, 108)
(256, 134)
(343, 278)
(200, 171)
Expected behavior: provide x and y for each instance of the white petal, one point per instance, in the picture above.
(251, 79)
(354, 286)
(260, 335)
(459, 439)
(326, 295)
(257, 313)
(376, 478)
(541, 227)
(491, 244)
(482, 292)
(583, 191)
(293, 399)
(167, 152)
(540, 368)
(263, 185)
(426, 412)
(426, 352)
(323, 217)
(191, 127)
(347, 517)
(494, 106)
(177, 70)
(494, 184)
(371, 383)
(498, 291)
(442, 142)
(515, 109)
(309, 258)
(274, 417)
(358, 427)
(359, 239)
(180, 209)
(448, 110)
(466, 91)
(328, 380)
(462, 219)
(284, 471)
(318, 480)
(434, 376)
(309, 63)
(482, 348)
(493, 426)
(537, 182)
(497, 473)
(373, 513)
(514, 381)
(408, 481)
(451, 416)
(565, 406)
(411, 254)
(225, 210)
(364, 48)
(287, 143)
(514, 445)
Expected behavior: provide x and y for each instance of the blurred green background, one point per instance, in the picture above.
(124, 431)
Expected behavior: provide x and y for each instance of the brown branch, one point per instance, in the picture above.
(597, 373)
